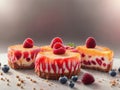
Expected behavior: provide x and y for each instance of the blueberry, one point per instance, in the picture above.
(112, 73)
(119, 69)
(63, 79)
(71, 84)
(5, 68)
(74, 78)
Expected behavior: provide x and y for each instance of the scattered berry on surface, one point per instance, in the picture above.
(87, 79)
(74, 78)
(63, 80)
(113, 73)
(71, 84)
(5, 68)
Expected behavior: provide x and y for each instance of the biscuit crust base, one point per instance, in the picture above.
(53, 76)
(16, 66)
(98, 68)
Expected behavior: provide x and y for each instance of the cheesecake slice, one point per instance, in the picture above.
(51, 66)
(20, 57)
(97, 57)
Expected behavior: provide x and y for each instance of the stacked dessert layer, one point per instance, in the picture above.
(51, 66)
(95, 57)
(55, 60)
(21, 57)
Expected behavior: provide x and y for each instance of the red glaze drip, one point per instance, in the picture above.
(75, 66)
(66, 62)
(32, 54)
(43, 63)
(18, 54)
(53, 66)
(26, 54)
(37, 64)
(60, 65)
(48, 67)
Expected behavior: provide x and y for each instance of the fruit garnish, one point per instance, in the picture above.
(71, 44)
(58, 48)
(5, 68)
(63, 80)
(113, 73)
(54, 40)
(74, 78)
(90, 42)
(28, 43)
(71, 84)
(87, 79)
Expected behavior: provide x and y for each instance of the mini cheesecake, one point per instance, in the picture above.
(99, 58)
(51, 66)
(21, 57)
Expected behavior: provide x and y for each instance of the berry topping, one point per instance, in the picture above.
(90, 42)
(71, 84)
(63, 80)
(58, 48)
(18, 54)
(5, 68)
(74, 78)
(56, 39)
(28, 43)
(113, 73)
(87, 79)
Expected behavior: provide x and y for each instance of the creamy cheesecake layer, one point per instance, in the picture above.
(57, 64)
(99, 57)
(22, 56)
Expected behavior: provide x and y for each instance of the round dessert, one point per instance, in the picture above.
(51, 66)
(23, 56)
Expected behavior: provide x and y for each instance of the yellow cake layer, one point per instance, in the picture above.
(51, 55)
(21, 48)
(45, 48)
(97, 51)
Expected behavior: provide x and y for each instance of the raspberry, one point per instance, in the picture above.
(87, 79)
(28, 43)
(58, 48)
(90, 42)
(56, 39)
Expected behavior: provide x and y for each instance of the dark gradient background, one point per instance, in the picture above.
(72, 20)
